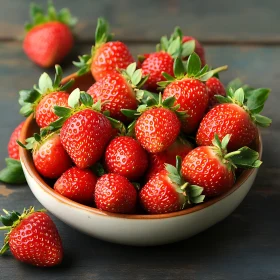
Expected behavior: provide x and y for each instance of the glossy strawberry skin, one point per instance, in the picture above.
(77, 185)
(114, 193)
(85, 136)
(36, 241)
(226, 119)
(13, 148)
(154, 65)
(48, 43)
(44, 112)
(108, 57)
(204, 168)
(156, 129)
(125, 156)
(117, 93)
(50, 159)
(214, 87)
(192, 96)
(199, 50)
(157, 161)
(159, 195)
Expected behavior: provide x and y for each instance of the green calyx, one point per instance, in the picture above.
(190, 194)
(174, 45)
(12, 173)
(251, 100)
(11, 220)
(29, 99)
(134, 76)
(102, 36)
(190, 69)
(151, 101)
(243, 157)
(39, 17)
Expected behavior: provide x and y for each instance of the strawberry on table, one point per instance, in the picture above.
(13, 173)
(32, 238)
(114, 193)
(162, 60)
(189, 89)
(77, 185)
(106, 57)
(118, 91)
(85, 132)
(125, 156)
(49, 156)
(181, 147)
(49, 37)
(212, 168)
(41, 100)
(167, 192)
(239, 115)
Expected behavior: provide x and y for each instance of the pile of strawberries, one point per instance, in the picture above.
(154, 136)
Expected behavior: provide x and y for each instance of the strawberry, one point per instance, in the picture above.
(49, 37)
(199, 50)
(125, 156)
(13, 148)
(77, 185)
(189, 90)
(214, 87)
(114, 193)
(106, 57)
(85, 132)
(167, 192)
(158, 125)
(118, 91)
(212, 168)
(32, 238)
(180, 147)
(239, 116)
(49, 156)
(141, 58)
(41, 100)
(154, 64)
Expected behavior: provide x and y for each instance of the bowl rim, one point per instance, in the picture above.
(26, 160)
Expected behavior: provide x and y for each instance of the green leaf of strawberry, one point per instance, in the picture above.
(13, 173)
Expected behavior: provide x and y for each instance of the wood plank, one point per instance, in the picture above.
(246, 245)
(220, 21)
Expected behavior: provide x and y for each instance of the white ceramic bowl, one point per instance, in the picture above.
(141, 230)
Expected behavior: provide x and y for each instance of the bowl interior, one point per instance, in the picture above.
(84, 82)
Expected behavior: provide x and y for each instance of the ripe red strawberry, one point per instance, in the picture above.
(166, 192)
(77, 184)
(213, 169)
(106, 57)
(49, 37)
(85, 132)
(199, 50)
(41, 100)
(49, 156)
(154, 66)
(189, 90)
(141, 58)
(126, 157)
(157, 128)
(117, 91)
(214, 87)
(13, 148)
(180, 147)
(238, 117)
(32, 238)
(114, 193)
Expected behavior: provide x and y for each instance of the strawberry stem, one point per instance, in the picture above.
(232, 154)
(5, 228)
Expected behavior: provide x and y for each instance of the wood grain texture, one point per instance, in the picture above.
(212, 21)
(246, 245)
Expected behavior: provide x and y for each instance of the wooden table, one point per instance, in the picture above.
(243, 34)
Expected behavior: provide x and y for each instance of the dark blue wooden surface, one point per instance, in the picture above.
(246, 245)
